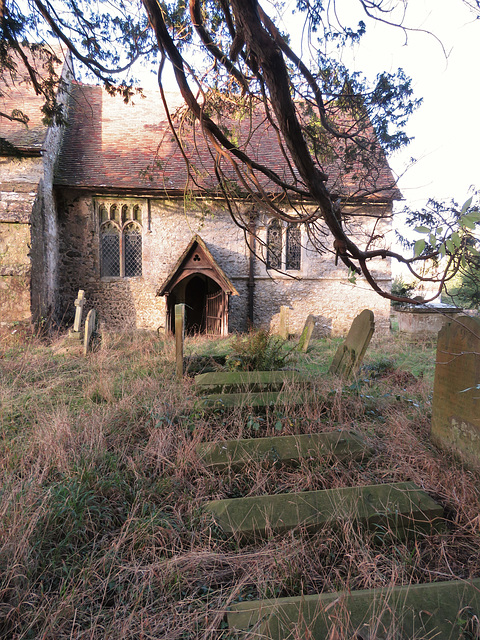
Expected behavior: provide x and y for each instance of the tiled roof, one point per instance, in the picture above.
(116, 146)
(17, 93)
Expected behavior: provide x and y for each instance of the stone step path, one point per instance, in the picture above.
(401, 510)
(236, 454)
(444, 611)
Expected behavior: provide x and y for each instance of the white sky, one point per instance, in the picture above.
(445, 127)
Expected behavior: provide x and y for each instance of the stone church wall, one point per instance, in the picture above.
(167, 227)
(18, 193)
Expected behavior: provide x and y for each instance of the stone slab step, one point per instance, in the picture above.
(440, 611)
(258, 400)
(243, 381)
(400, 509)
(235, 454)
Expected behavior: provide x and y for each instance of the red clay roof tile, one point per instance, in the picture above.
(112, 145)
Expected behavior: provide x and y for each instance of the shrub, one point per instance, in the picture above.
(259, 350)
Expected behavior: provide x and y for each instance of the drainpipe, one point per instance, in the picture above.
(251, 269)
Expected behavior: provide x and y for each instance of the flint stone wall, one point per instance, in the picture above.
(168, 225)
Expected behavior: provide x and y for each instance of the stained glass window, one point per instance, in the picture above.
(293, 257)
(274, 245)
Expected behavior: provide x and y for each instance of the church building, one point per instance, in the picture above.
(105, 204)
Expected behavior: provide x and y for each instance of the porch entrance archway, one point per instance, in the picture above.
(198, 282)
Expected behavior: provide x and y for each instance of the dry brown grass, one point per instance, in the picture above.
(102, 530)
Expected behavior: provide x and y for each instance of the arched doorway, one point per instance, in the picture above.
(204, 302)
(198, 282)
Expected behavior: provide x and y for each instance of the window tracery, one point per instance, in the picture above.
(284, 246)
(120, 239)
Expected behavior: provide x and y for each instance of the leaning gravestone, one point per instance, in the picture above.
(456, 389)
(350, 354)
(89, 329)
(306, 334)
(283, 328)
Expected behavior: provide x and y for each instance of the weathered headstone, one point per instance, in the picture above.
(283, 328)
(79, 303)
(456, 389)
(76, 332)
(89, 329)
(438, 610)
(306, 334)
(179, 338)
(350, 354)
(401, 509)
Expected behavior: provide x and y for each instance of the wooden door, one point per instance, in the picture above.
(214, 313)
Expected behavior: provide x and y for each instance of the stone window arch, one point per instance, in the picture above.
(121, 244)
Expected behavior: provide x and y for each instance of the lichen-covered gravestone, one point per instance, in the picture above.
(350, 354)
(90, 323)
(283, 328)
(306, 334)
(456, 390)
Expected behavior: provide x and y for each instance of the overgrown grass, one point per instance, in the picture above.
(101, 492)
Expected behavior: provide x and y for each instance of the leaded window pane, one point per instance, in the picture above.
(110, 253)
(274, 245)
(293, 258)
(133, 252)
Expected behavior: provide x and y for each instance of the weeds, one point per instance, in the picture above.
(102, 530)
(258, 350)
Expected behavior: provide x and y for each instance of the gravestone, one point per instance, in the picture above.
(350, 354)
(283, 329)
(76, 332)
(89, 329)
(439, 610)
(179, 338)
(245, 381)
(401, 509)
(456, 389)
(290, 450)
(306, 334)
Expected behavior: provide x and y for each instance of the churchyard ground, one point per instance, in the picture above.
(104, 531)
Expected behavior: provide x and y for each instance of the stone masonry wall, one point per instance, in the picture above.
(19, 180)
(168, 225)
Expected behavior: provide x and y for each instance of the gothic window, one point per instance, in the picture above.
(284, 246)
(110, 250)
(294, 248)
(274, 245)
(133, 250)
(120, 240)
